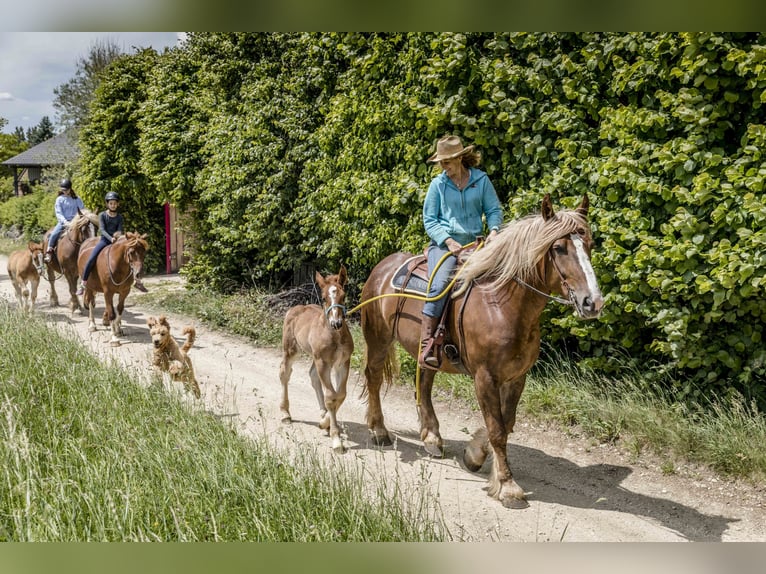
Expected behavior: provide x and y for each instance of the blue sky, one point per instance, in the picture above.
(32, 64)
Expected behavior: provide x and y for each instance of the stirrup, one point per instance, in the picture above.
(429, 355)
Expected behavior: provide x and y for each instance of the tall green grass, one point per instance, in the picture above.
(725, 434)
(89, 454)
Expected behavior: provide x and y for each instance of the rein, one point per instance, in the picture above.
(111, 273)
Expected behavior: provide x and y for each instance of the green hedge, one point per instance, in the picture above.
(293, 148)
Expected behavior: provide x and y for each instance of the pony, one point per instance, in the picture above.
(64, 262)
(113, 274)
(323, 334)
(493, 326)
(25, 267)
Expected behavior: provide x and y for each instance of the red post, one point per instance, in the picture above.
(167, 239)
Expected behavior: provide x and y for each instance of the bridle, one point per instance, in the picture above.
(130, 251)
(571, 297)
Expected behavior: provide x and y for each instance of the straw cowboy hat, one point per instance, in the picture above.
(449, 147)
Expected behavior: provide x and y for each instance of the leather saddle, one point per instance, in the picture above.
(412, 277)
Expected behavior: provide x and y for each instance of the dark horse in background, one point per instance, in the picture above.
(64, 260)
(494, 322)
(116, 268)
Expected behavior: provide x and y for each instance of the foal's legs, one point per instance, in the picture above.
(285, 370)
(429, 424)
(316, 384)
(332, 399)
(34, 283)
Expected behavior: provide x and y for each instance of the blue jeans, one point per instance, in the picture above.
(55, 234)
(103, 242)
(441, 279)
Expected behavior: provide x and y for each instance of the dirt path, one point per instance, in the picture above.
(577, 491)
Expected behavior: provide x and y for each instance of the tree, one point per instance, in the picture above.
(19, 133)
(72, 99)
(41, 132)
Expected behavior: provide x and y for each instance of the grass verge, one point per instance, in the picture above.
(87, 454)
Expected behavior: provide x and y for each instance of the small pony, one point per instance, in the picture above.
(323, 334)
(25, 266)
(168, 357)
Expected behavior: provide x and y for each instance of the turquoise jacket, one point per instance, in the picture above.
(449, 212)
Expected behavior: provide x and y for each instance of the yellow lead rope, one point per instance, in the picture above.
(446, 290)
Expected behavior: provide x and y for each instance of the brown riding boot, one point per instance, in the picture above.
(429, 355)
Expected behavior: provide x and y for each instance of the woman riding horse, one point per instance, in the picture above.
(493, 324)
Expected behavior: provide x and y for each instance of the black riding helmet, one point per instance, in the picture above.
(112, 195)
(65, 184)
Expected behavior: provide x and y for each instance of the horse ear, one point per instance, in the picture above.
(151, 321)
(319, 279)
(547, 207)
(584, 204)
(32, 246)
(342, 275)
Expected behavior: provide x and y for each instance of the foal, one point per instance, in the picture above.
(25, 267)
(323, 334)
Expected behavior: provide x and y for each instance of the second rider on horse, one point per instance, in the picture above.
(110, 225)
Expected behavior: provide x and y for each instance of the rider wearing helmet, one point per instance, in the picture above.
(66, 206)
(110, 224)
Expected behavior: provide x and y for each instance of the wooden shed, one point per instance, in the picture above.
(29, 166)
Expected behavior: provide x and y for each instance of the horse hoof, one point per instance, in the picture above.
(474, 457)
(115, 343)
(515, 503)
(381, 439)
(287, 420)
(92, 328)
(338, 448)
(434, 450)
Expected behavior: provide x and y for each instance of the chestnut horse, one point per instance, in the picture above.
(494, 327)
(64, 262)
(25, 267)
(322, 333)
(113, 274)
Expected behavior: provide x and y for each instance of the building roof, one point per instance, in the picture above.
(61, 149)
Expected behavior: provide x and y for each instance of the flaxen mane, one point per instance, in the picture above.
(82, 219)
(518, 248)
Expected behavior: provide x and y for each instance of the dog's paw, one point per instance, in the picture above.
(176, 367)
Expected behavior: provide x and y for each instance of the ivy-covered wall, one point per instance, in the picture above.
(297, 147)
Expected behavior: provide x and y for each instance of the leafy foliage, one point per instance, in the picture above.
(292, 148)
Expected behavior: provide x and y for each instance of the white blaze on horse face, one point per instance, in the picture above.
(335, 313)
(587, 268)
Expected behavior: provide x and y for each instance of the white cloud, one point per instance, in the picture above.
(33, 64)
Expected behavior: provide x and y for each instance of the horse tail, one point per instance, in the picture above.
(191, 335)
(389, 371)
(391, 366)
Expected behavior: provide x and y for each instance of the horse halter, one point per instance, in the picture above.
(333, 306)
(334, 321)
(38, 262)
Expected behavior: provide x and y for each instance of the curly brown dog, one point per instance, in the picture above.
(168, 357)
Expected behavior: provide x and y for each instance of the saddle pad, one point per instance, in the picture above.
(417, 284)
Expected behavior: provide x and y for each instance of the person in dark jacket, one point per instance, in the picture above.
(111, 226)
